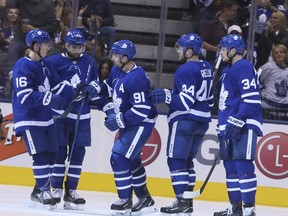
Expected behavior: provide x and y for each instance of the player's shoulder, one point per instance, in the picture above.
(23, 62)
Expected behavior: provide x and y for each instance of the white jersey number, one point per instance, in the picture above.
(204, 92)
(139, 97)
(247, 84)
(21, 82)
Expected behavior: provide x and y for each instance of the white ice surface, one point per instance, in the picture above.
(15, 201)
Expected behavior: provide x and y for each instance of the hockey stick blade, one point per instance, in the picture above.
(194, 194)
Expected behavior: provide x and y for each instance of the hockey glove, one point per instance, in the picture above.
(92, 90)
(115, 121)
(109, 109)
(160, 96)
(233, 128)
(54, 101)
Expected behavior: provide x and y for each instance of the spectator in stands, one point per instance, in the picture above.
(9, 24)
(35, 14)
(274, 84)
(104, 68)
(91, 33)
(213, 31)
(102, 9)
(276, 33)
(205, 11)
(4, 79)
(5, 4)
(265, 8)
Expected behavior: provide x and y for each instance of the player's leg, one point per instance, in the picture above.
(42, 152)
(178, 148)
(123, 181)
(232, 180)
(58, 173)
(129, 145)
(145, 202)
(197, 130)
(246, 170)
(72, 200)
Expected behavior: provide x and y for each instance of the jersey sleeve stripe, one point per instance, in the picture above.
(250, 101)
(249, 94)
(139, 113)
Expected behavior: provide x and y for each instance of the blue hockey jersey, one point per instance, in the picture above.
(72, 73)
(239, 96)
(130, 91)
(31, 80)
(192, 96)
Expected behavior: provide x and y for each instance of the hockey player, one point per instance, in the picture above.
(240, 122)
(75, 68)
(189, 115)
(32, 101)
(135, 116)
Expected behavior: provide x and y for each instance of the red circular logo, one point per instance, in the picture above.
(272, 155)
(151, 149)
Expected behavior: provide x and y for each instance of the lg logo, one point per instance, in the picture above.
(272, 155)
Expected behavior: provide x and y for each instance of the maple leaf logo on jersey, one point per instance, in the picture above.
(117, 102)
(45, 87)
(223, 97)
(75, 80)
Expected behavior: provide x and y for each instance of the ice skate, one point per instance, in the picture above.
(42, 199)
(234, 210)
(57, 194)
(249, 211)
(72, 201)
(181, 207)
(122, 207)
(144, 205)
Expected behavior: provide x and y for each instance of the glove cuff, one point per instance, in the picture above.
(95, 85)
(47, 98)
(235, 121)
(108, 108)
(168, 96)
(119, 120)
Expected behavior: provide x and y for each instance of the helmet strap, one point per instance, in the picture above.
(123, 64)
(230, 54)
(38, 51)
(187, 58)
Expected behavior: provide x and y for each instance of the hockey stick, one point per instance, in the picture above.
(70, 105)
(75, 135)
(193, 194)
(83, 99)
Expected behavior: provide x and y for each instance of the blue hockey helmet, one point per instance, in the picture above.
(233, 41)
(37, 36)
(75, 37)
(192, 41)
(124, 47)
